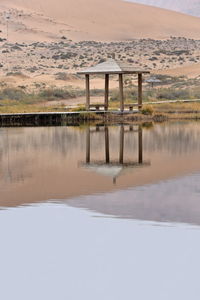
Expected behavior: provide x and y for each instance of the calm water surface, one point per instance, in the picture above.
(100, 212)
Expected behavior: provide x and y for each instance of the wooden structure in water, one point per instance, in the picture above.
(113, 67)
(112, 167)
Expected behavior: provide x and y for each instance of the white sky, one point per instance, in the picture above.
(186, 6)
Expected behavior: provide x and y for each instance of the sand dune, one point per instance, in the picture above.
(191, 71)
(98, 20)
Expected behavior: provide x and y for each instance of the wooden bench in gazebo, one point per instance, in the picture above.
(111, 67)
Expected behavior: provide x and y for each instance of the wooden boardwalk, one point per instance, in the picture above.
(50, 118)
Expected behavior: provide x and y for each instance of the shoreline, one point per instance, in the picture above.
(84, 117)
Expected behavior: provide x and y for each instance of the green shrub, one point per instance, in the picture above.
(97, 92)
(53, 94)
(62, 76)
(159, 117)
(79, 108)
(147, 110)
(12, 94)
(173, 94)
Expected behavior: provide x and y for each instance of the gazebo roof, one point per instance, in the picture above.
(112, 66)
(113, 169)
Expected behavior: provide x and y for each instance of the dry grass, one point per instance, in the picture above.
(180, 107)
(17, 107)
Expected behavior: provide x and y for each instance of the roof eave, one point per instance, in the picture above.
(113, 72)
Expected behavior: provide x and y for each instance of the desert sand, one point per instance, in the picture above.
(41, 41)
(99, 20)
(191, 71)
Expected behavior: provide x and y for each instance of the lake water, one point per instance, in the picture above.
(100, 212)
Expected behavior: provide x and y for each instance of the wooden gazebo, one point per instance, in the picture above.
(111, 67)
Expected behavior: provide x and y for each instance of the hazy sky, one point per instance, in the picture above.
(187, 6)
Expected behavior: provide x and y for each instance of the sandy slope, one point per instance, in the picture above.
(191, 71)
(100, 20)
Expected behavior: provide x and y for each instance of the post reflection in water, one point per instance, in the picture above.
(109, 166)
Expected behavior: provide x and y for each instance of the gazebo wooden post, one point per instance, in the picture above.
(87, 81)
(139, 90)
(121, 92)
(106, 91)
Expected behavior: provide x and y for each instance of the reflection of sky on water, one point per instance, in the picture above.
(57, 252)
(175, 200)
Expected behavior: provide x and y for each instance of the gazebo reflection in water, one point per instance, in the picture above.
(112, 167)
